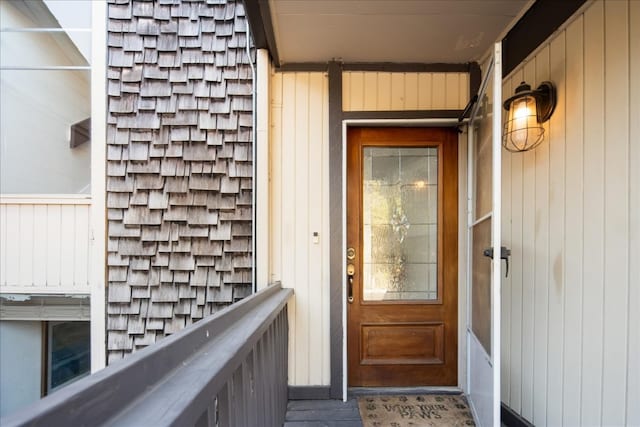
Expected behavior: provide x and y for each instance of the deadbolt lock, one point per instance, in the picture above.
(351, 253)
(351, 270)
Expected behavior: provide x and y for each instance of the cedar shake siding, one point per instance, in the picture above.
(178, 166)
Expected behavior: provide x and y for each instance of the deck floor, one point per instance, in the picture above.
(323, 413)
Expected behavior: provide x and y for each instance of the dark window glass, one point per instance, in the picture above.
(69, 354)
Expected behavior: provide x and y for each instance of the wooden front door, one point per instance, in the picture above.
(402, 256)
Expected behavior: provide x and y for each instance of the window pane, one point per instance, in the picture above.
(481, 284)
(69, 352)
(483, 134)
(400, 223)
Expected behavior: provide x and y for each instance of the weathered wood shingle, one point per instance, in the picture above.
(178, 166)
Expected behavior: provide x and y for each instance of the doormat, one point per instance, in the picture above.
(413, 411)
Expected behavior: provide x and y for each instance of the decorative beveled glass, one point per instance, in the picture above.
(400, 223)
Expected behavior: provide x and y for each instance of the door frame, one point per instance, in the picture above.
(462, 297)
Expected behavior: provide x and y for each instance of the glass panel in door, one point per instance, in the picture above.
(400, 223)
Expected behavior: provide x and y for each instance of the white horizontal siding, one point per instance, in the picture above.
(387, 91)
(44, 244)
(571, 215)
(299, 207)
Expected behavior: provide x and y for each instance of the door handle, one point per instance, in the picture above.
(350, 273)
(505, 253)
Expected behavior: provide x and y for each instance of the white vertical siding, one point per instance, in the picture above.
(393, 91)
(44, 244)
(571, 332)
(633, 351)
(299, 208)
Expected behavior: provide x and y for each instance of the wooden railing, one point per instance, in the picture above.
(45, 243)
(229, 369)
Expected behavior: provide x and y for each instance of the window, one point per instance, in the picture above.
(68, 355)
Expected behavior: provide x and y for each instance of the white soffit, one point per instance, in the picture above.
(428, 31)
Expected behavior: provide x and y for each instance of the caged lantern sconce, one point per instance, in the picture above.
(527, 111)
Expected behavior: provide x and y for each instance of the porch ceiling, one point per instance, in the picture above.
(425, 31)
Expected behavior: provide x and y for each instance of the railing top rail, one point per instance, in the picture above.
(156, 385)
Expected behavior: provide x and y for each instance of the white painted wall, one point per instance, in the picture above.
(74, 15)
(571, 323)
(385, 91)
(20, 364)
(299, 177)
(37, 109)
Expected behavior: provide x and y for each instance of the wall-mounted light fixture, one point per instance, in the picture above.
(527, 110)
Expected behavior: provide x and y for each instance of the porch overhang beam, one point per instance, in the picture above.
(536, 25)
(401, 115)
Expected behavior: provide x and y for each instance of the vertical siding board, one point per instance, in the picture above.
(633, 356)
(384, 91)
(439, 91)
(356, 91)
(346, 91)
(424, 91)
(370, 84)
(54, 250)
(505, 326)
(616, 211)
(3, 245)
(411, 91)
(81, 263)
(573, 224)
(528, 276)
(288, 148)
(452, 85)
(541, 264)
(541, 261)
(13, 239)
(300, 255)
(556, 143)
(275, 172)
(25, 245)
(593, 252)
(324, 236)
(40, 245)
(314, 258)
(67, 244)
(397, 91)
(517, 260)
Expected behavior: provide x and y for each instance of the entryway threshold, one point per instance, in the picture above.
(378, 391)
